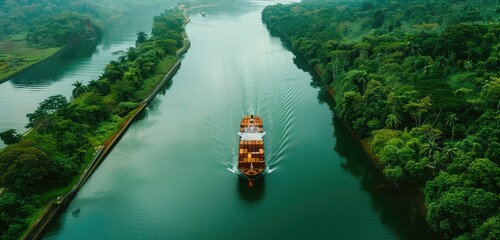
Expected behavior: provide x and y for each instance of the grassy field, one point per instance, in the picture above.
(16, 55)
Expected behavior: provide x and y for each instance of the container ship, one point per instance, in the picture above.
(251, 161)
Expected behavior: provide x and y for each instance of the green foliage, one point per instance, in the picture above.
(13, 211)
(462, 210)
(16, 55)
(46, 110)
(63, 169)
(65, 133)
(79, 89)
(378, 19)
(19, 16)
(141, 38)
(423, 86)
(10, 136)
(63, 29)
(22, 166)
(490, 229)
(482, 173)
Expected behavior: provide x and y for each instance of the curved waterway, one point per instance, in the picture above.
(21, 94)
(173, 175)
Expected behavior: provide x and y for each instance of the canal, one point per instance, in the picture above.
(173, 174)
(21, 94)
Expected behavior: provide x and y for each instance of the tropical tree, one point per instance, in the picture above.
(483, 173)
(349, 105)
(78, 90)
(414, 49)
(440, 62)
(449, 153)
(451, 121)
(490, 229)
(362, 48)
(392, 121)
(362, 79)
(114, 71)
(142, 37)
(417, 108)
(22, 165)
(380, 58)
(430, 149)
(490, 95)
(48, 107)
(93, 86)
(468, 65)
(10, 136)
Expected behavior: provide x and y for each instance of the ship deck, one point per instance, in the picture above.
(251, 147)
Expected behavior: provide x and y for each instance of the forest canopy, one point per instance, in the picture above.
(19, 16)
(420, 81)
(63, 29)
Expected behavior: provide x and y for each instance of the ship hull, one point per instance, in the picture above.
(251, 161)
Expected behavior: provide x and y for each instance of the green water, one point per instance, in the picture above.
(173, 175)
(21, 94)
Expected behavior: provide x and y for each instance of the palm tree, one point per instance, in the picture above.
(468, 65)
(380, 58)
(141, 38)
(93, 86)
(451, 120)
(440, 62)
(362, 78)
(414, 50)
(79, 89)
(470, 45)
(438, 163)
(392, 121)
(449, 153)
(431, 149)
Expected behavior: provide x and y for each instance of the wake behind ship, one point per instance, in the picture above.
(251, 161)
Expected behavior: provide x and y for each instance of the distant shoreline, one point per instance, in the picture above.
(34, 64)
(51, 56)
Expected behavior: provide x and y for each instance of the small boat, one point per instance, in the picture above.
(251, 162)
(202, 13)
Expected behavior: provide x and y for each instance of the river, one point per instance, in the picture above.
(22, 94)
(173, 175)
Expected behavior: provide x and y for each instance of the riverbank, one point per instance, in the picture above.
(57, 204)
(407, 188)
(367, 149)
(411, 111)
(17, 57)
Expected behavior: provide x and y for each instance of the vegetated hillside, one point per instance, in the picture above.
(31, 31)
(65, 133)
(420, 80)
(63, 29)
(19, 16)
